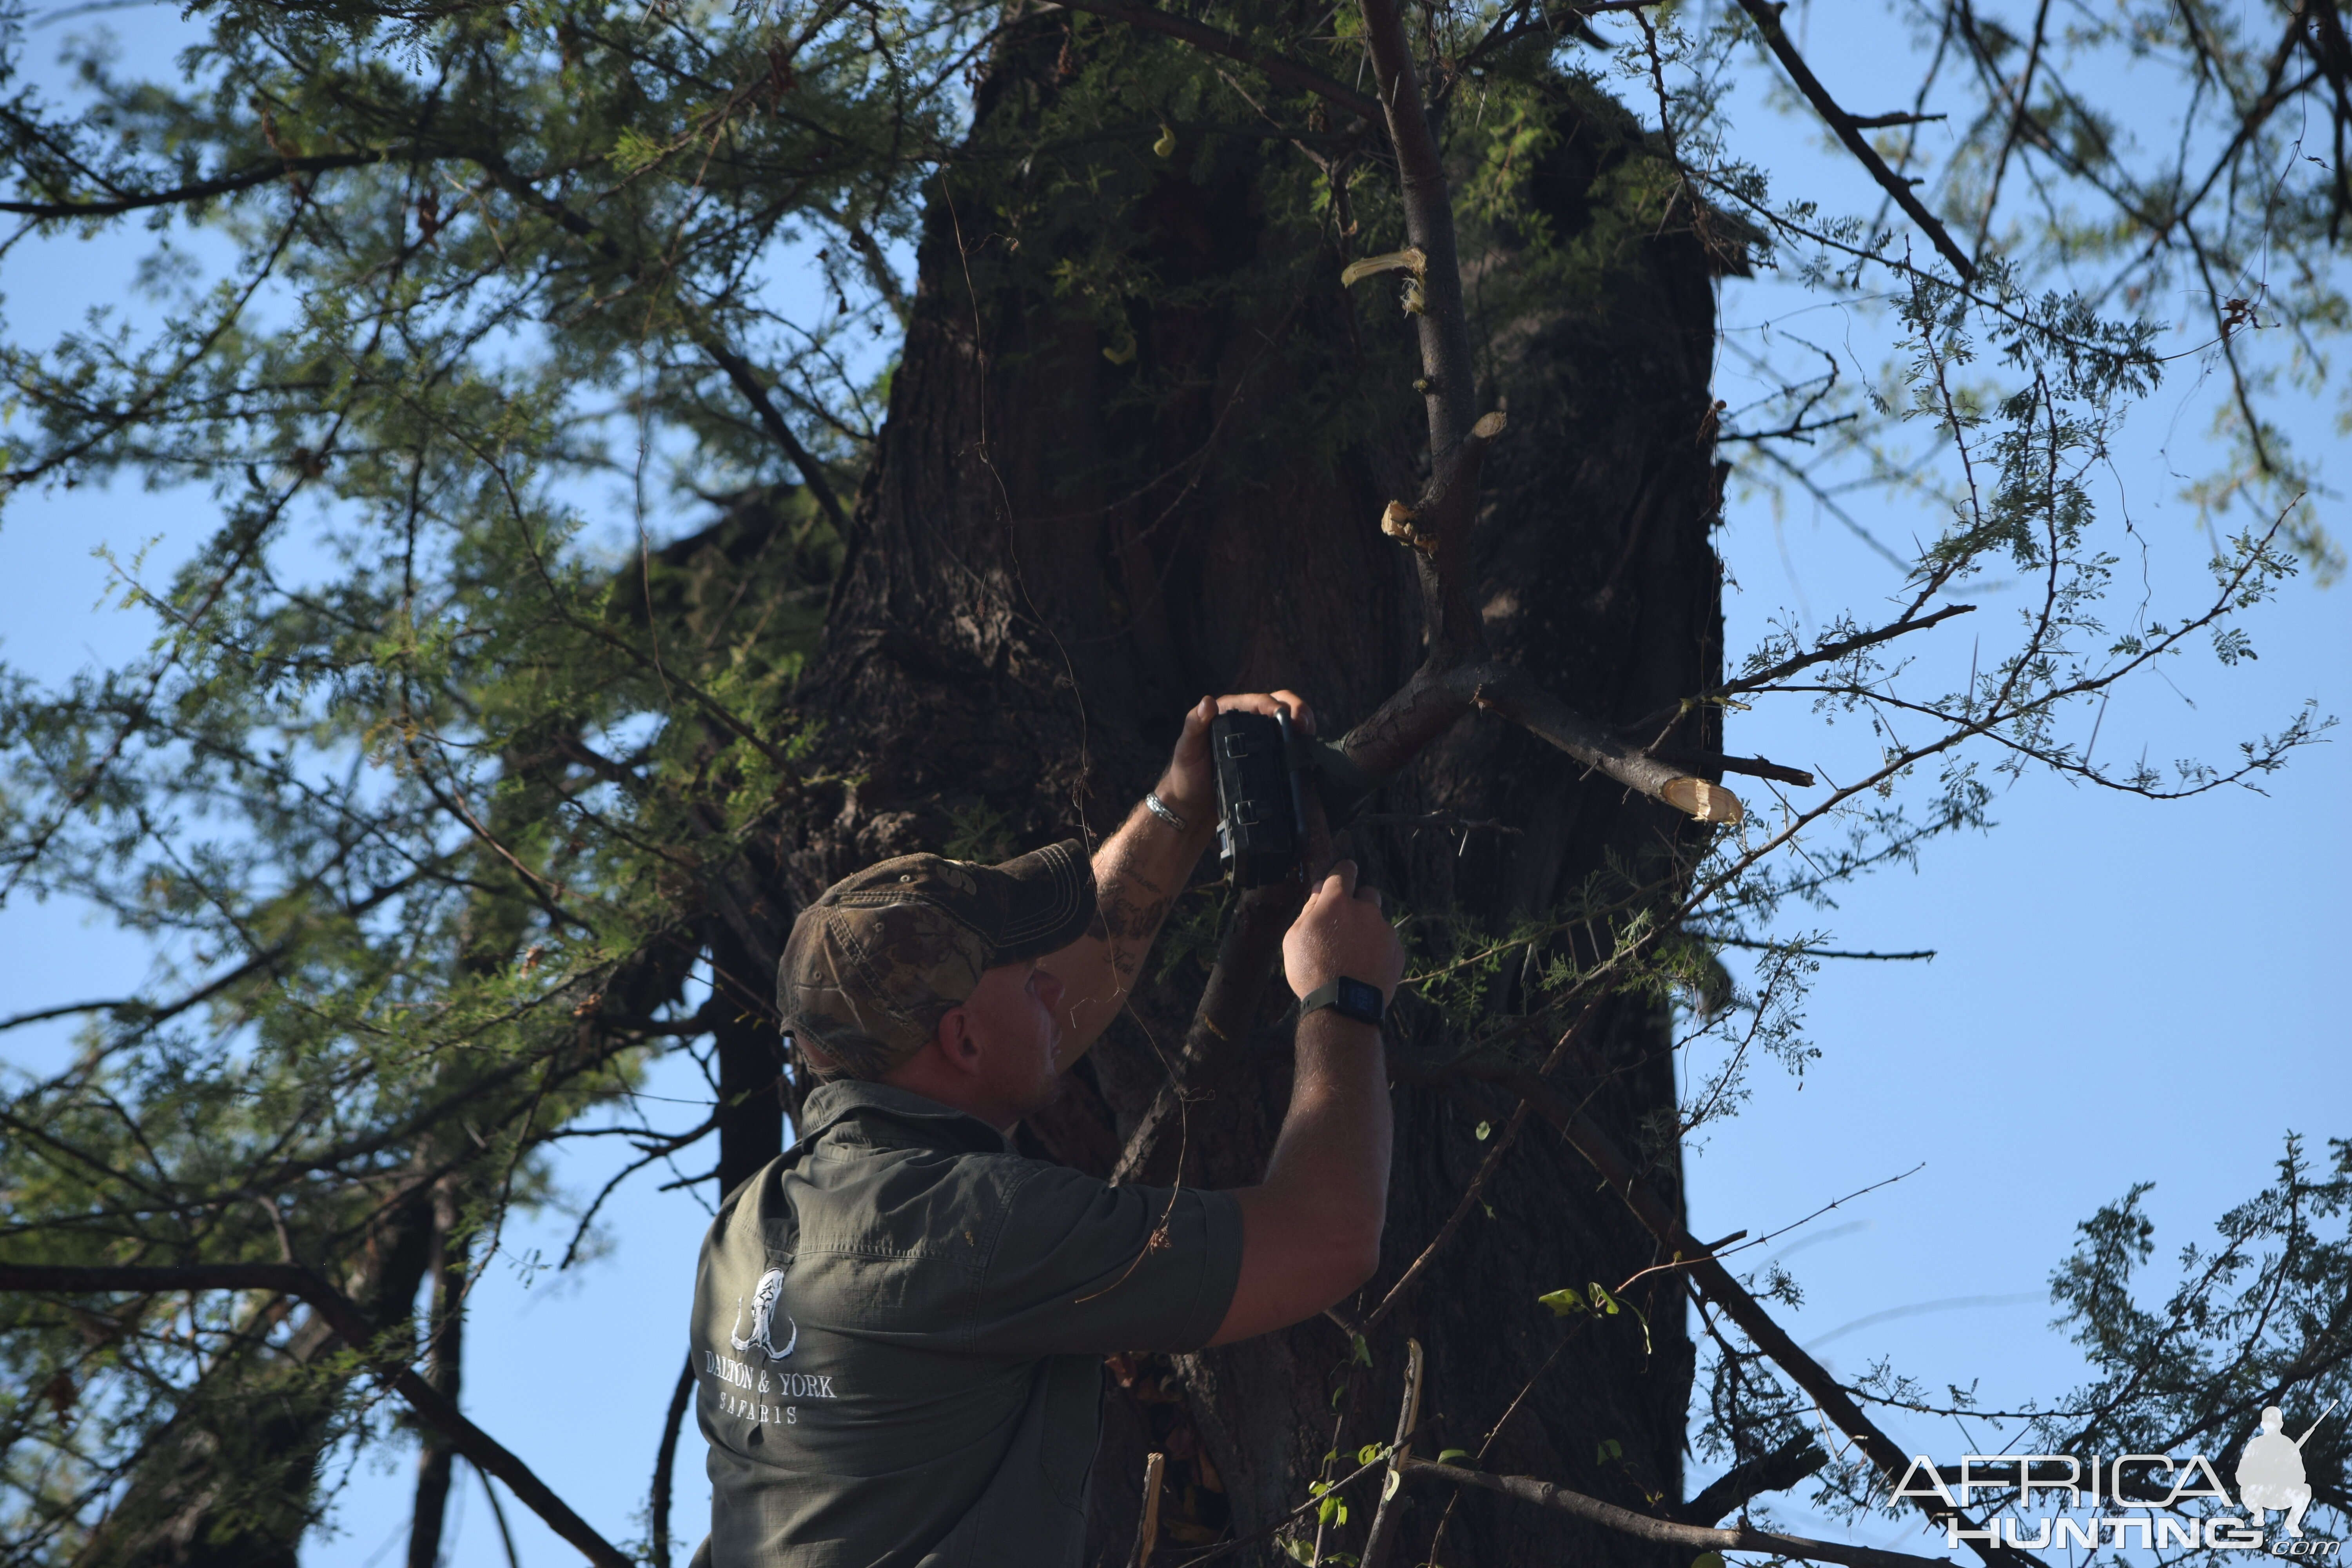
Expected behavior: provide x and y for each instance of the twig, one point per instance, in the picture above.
(1382, 1539)
(1814, 951)
(1742, 1538)
(1767, 18)
(498, 1514)
(1399, 820)
(1486, 1168)
(1825, 654)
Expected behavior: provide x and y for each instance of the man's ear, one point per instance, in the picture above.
(957, 1047)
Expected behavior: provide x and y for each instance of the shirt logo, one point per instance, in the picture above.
(764, 1297)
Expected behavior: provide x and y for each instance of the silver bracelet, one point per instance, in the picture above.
(1158, 808)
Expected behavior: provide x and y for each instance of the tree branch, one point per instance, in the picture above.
(737, 369)
(1776, 1471)
(1829, 652)
(1712, 1278)
(665, 1460)
(1440, 525)
(1767, 17)
(1754, 767)
(1641, 1526)
(1429, 704)
(1275, 66)
(244, 179)
(351, 1325)
(1381, 1541)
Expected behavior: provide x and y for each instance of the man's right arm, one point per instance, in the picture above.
(1311, 1230)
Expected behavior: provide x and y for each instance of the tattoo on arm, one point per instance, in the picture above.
(1127, 915)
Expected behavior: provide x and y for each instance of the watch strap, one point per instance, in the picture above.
(1357, 999)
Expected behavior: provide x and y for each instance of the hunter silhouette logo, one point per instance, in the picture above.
(2270, 1472)
(771, 1288)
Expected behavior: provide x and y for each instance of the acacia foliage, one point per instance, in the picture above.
(453, 765)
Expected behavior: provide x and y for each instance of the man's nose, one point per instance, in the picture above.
(1049, 988)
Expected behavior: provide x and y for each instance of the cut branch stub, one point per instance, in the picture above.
(1706, 802)
(1398, 521)
(1409, 259)
(1436, 698)
(1521, 701)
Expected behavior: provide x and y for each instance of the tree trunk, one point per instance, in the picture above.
(1060, 547)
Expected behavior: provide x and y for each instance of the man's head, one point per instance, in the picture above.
(923, 972)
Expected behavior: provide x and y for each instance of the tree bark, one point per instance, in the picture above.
(1057, 551)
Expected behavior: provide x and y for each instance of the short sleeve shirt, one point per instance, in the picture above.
(897, 1334)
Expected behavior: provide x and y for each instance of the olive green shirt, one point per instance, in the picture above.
(897, 1336)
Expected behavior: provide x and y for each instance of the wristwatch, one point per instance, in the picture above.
(1350, 999)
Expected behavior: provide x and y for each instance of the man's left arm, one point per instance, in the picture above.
(1139, 872)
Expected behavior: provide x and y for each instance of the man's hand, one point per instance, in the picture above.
(1189, 787)
(1139, 872)
(1341, 932)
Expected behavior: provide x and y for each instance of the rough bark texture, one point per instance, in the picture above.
(1057, 553)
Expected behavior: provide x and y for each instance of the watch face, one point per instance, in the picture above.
(1359, 1000)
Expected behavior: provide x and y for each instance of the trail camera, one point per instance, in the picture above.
(1261, 820)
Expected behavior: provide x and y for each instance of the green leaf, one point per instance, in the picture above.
(1707, 1560)
(1359, 1349)
(1370, 1454)
(1563, 1301)
(1447, 1456)
(1389, 1487)
(1609, 1449)
(1483, 1130)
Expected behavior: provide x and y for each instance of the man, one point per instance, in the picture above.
(898, 1325)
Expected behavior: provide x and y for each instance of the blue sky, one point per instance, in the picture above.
(2122, 991)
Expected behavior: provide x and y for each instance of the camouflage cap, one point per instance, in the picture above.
(879, 957)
